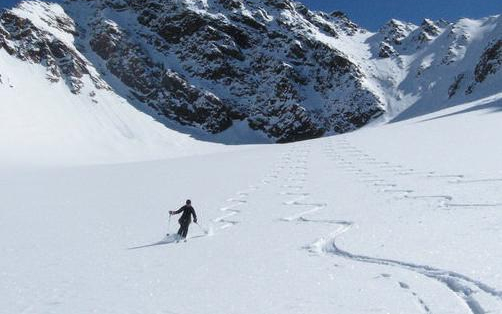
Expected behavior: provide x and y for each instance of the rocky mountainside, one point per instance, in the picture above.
(286, 71)
(439, 64)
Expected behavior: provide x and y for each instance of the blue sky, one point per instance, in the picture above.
(372, 14)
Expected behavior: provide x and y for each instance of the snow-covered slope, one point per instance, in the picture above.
(402, 218)
(44, 123)
(438, 64)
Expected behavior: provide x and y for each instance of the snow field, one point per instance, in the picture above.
(401, 218)
(317, 226)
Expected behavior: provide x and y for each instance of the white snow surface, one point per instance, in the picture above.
(400, 218)
(48, 125)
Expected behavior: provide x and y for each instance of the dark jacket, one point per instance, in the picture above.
(186, 217)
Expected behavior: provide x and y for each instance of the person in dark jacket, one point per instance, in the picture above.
(186, 212)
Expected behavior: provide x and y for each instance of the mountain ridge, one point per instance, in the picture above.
(286, 71)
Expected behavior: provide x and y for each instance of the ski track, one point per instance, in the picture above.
(300, 200)
(300, 197)
(477, 181)
(473, 293)
(441, 176)
(242, 195)
(473, 204)
(295, 159)
(231, 209)
(420, 301)
(397, 191)
(407, 173)
(339, 152)
(385, 184)
(467, 289)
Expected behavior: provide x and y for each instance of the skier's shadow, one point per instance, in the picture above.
(165, 241)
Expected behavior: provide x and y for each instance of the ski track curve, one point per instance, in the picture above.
(473, 293)
(469, 290)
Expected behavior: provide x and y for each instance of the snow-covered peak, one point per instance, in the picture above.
(429, 30)
(395, 31)
(48, 17)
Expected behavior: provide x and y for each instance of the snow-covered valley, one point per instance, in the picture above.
(397, 218)
(114, 112)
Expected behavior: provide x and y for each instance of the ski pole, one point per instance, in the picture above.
(203, 230)
(169, 223)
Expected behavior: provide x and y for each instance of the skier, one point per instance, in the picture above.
(185, 219)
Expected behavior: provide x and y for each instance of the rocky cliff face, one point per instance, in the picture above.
(254, 60)
(490, 62)
(22, 39)
(285, 70)
(205, 63)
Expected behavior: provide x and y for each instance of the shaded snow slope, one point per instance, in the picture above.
(44, 123)
(401, 218)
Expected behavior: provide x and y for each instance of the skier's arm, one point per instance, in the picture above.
(177, 211)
